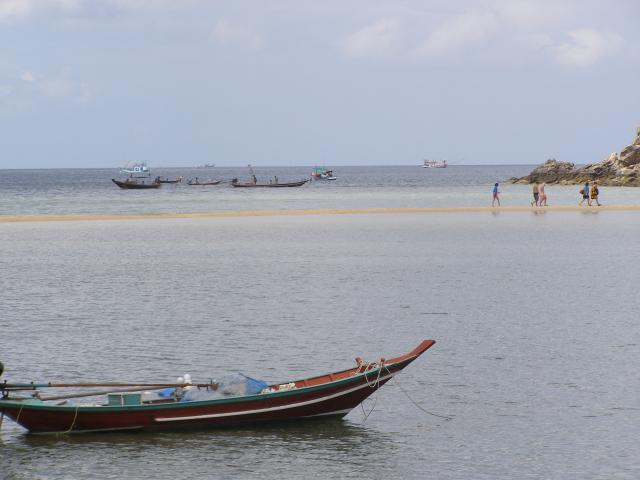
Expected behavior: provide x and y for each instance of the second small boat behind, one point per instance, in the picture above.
(196, 181)
(275, 183)
(133, 183)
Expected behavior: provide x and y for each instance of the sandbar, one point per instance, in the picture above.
(319, 211)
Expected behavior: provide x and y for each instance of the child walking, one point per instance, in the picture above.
(594, 193)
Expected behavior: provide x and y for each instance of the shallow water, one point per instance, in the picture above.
(535, 316)
(24, 192)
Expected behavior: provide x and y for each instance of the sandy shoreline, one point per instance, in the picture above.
(330, 211)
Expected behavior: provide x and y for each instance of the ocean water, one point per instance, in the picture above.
(27, 192)
(534, 314)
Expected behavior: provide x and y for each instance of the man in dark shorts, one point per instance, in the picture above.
(536, 193)
(585, 194)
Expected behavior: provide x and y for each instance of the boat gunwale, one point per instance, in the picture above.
(370, 375)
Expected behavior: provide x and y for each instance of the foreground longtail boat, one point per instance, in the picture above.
(330, 395)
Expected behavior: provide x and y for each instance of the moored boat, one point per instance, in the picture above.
(273, 184)
(332, 395)
(195, 181)
(168, 180)
(321, 173)
(134, 183)
(136, 168)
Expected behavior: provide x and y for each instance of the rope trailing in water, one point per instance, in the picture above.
(370, 366)
(397, 383)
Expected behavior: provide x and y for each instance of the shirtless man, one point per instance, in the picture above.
(535, 194)
(543, 196)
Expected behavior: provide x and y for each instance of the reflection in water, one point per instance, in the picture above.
(354, 447)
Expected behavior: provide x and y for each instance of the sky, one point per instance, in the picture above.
(101, 83)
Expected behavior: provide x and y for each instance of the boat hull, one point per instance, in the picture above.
(194, 184)
(318, 397)
(135, 186)
(269, 185)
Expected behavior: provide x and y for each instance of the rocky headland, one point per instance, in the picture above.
(620, 169)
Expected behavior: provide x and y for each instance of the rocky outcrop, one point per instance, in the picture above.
(621, 168)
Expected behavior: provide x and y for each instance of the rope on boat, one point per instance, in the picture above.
(74, 421)
(19, 412)
(369, 366)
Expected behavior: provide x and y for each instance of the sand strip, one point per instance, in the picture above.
(328, 211)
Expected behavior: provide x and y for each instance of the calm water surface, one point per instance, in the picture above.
(24, 192)
(535, 316)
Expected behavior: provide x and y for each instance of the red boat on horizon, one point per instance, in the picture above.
(332, 395)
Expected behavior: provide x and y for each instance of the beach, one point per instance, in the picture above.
(335, 211)
(533, 314)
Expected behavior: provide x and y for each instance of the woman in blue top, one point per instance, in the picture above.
(495, 195)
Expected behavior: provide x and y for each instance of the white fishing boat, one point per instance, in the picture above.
(136, 169)
(321, 173)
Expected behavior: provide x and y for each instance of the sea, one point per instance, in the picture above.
(91, 191)
(535, 313)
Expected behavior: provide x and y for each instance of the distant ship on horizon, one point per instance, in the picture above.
(136, 168)
(434, 164)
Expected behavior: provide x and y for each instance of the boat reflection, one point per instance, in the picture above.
(328, 436)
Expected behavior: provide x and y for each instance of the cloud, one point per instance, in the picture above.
(59, 86)
(462, 31)
(13, 10)
(533, 14)
(228, 34)
(586, 47)
(27, 77)
(378, 40)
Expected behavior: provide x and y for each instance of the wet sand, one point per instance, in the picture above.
(270, 213)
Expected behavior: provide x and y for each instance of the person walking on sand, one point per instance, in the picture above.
(594, 194)
(496, 195)
(585, 194)
(543, 196)
(536, 193)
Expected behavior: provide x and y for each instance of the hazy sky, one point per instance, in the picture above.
(98, 83)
